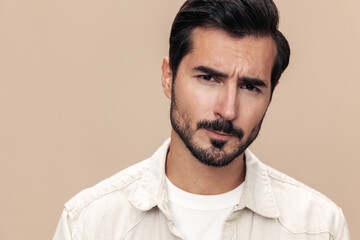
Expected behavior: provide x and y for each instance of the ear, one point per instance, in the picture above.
(167, 77)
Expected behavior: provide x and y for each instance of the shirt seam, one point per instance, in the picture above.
(73, 212)
(305, 232)
(69, 224)
(302, 186)
(131, 228)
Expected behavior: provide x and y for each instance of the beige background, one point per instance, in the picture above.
(80, 99)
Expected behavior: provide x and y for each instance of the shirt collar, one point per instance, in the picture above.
(151, 191)
(258, 194)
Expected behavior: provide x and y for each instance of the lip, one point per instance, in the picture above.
(218, 135)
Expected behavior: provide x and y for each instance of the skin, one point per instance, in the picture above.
(239, 91)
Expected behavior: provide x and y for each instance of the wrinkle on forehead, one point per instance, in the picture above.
(250, 55)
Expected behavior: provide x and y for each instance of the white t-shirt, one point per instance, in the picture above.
(201, 216)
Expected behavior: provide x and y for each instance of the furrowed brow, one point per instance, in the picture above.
(210, 71)
(253, 81)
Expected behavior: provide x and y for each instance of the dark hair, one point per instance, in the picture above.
(239, 18)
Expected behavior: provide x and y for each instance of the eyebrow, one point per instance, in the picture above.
(247, 80)
(210, 71)
(254, 81)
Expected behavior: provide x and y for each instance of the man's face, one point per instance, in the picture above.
(221, 93)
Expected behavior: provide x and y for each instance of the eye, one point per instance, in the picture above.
(250, 87)
(207, 78)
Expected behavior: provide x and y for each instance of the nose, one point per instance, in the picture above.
(227, 103)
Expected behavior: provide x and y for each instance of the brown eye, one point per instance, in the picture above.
(207, 77)
(250, 87)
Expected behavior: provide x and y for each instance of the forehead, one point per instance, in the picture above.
(250, 54)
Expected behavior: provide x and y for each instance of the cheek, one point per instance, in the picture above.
(251, 113)
(196, 102)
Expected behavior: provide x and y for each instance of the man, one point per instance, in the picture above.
(226, 57)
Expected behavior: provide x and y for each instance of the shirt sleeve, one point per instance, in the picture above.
(342, 231)
(63, 230)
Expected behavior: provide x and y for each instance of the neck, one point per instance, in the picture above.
(189, 174)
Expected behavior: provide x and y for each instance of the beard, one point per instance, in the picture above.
(215, 155)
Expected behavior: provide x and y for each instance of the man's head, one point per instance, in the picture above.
(226, 57)
(239, 18)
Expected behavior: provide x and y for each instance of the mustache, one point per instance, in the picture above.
(221, 125)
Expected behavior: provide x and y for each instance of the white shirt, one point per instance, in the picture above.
(201, 217)
(134, 205)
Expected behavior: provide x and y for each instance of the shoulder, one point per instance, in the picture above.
(114, 190)
(116, 194)
(303, 209)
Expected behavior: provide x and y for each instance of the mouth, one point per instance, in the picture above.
(218, 135)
